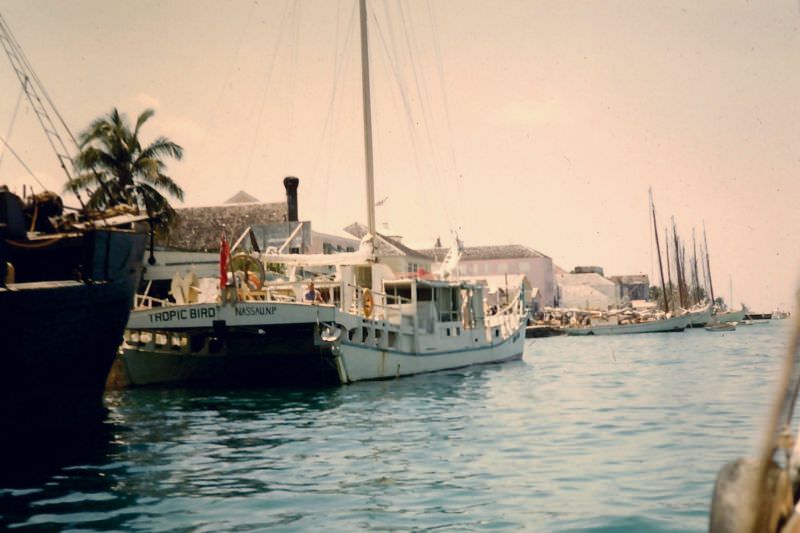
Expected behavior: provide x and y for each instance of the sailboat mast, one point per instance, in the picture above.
(669, 271)
(708, 266)
(658, 251)
(678, 265)
(367, 118)
(695, 271)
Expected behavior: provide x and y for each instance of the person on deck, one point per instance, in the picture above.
(312, 295)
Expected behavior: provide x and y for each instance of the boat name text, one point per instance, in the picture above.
(242, 310)
(183, 314)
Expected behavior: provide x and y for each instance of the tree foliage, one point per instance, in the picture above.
(116, 169)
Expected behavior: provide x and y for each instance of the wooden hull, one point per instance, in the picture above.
(536, 332)
(655, 326)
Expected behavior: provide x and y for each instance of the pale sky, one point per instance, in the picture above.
(534, 122)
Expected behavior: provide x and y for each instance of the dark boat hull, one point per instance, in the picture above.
(60, 336)
(284, 354)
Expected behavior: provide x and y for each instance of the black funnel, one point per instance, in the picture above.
(291, 183)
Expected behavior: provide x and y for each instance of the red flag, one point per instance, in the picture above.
(224, 261)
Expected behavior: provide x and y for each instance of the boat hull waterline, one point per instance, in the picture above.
(268, 343)
(674, 324)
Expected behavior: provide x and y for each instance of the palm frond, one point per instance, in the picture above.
(163, 147)
(143, 117)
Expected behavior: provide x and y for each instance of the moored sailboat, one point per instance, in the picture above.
(656, 325)
(372, 323)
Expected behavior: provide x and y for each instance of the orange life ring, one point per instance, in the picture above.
(367, 302)
(253, 279)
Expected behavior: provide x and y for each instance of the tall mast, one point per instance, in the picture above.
(730, 281)
(708, 266)
(679, 265)
(658, 251)
(367, 118)
(695, 272)
(669, 270)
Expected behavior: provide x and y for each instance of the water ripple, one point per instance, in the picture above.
(611, 434)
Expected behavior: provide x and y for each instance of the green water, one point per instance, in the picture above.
(606, 433)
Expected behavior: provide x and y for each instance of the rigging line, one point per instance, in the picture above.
(11, 124)
(213, 118)
(21, 162)
(423, 96)
(407, 107)
(295, 40)
(268, 79)
(440, 67)
(329, 117)
(21, 53)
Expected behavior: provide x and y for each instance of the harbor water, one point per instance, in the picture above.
(619, 433)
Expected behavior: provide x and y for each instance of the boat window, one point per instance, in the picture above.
(424, 294)
(352, 335)
(363, 276)
(447, 303)
(399, 294)
(392, 339)
(448, 332)
(364, 334)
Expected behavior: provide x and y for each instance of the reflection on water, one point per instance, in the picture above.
(612, 434)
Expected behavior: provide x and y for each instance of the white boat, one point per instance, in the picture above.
(678, 323)
(699, 317)
(409, 326)
(730, 316)
(374, 324)
(721, 326)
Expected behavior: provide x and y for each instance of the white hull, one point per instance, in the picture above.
(283, 343)
(699, 319)
(678, 323)
(242, 314)
(731, 316)
(360, 363)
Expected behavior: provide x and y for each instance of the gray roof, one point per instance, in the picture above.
(198, 229)
(242, 197)
(483, 253)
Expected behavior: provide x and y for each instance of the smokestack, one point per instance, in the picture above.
(291, 183)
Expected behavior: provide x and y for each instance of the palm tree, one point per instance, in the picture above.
(116, 169)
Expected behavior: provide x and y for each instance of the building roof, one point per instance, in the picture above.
(242, 197)
(484, 253)
(199, 228)
(582, 279)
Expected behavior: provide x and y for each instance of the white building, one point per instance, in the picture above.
(507, 259)
(585, 291)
